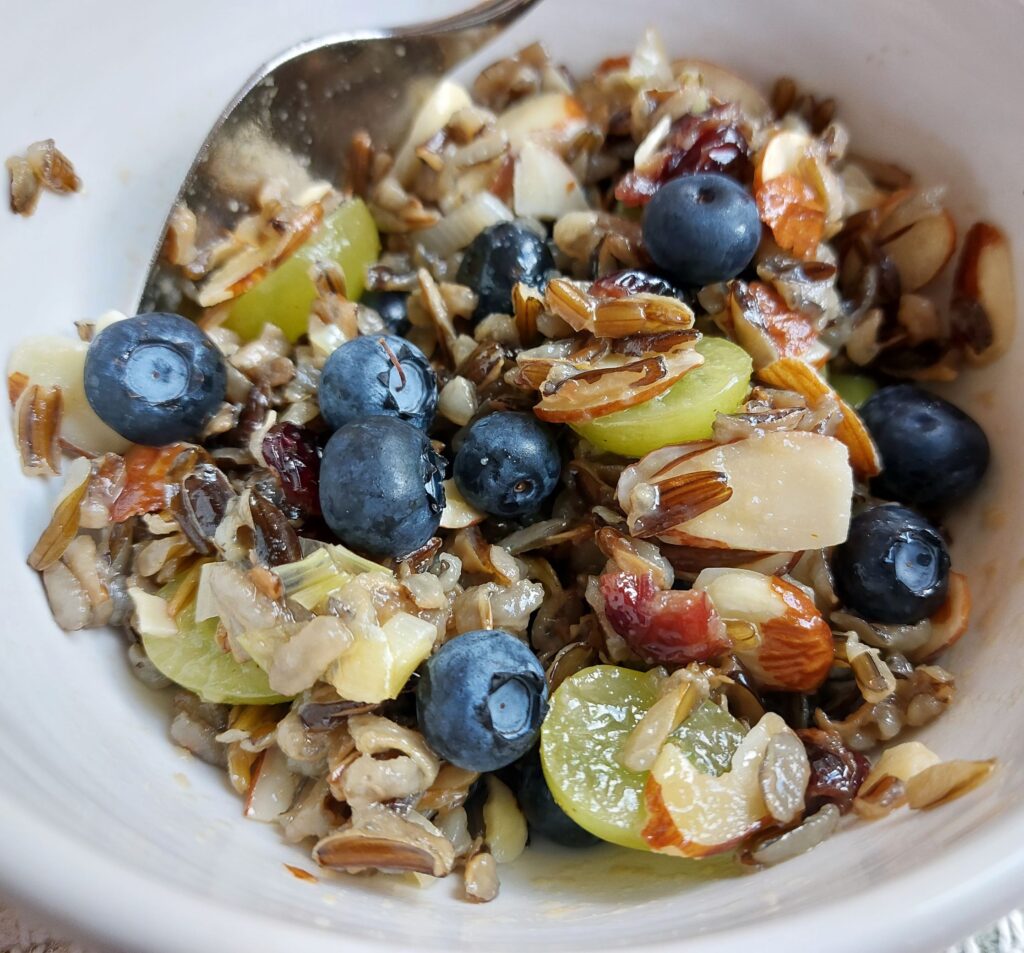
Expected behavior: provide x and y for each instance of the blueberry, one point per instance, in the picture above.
(380, 486)
(507, 464)
(933, 454)
(154, 378)
(498, 258)
(543, 814)
(481, 700)
(702, 228)
(392, 306)
(378, 375)
(893, 567)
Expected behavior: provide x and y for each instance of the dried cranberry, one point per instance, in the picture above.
(836, 771)
(294, 452)
(710, 142)
(671, 627)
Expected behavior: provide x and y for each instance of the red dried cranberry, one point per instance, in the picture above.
(672, 627)
(710, 142)
(293, 452)
(836, 771)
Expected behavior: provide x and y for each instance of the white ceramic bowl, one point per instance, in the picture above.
(106, 826)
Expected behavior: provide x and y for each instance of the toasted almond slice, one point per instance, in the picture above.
(604, 390)
(906, 207)
(767, 329)
(921, 251)
(692, 814)
(458, 513)
(679, 499)
(535, 366)
(783, 155)
(984, 297)
(901, 761)
(802, 479)
(950, 622)
(792, 648)
(790, 374)
(945, 782)
(727, 87)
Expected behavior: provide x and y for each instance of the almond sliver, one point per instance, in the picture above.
(788, 373)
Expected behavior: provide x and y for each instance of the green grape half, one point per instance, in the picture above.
(347, 236)
(684, 412)
(194, 660)
(853, 388)
(591, 716)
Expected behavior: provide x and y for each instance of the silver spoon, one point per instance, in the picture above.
(309, 101)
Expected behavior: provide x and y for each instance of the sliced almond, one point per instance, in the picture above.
(791, 374)
(902, 761)
(621, 383)
(790, 648)
(950, 622)
(458, 513)
(921, 251)
(767, 329)
(254, 262)
(984, 296)
(802, 479)
(783, 155)
(727, 86)
(692, 814)
(946, 782)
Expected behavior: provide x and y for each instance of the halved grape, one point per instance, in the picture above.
(683, 413)
(347, 236)
(590, 718)
(194, 660)
(853, 388)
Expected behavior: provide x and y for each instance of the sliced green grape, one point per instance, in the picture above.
(591, 716)
(347, 236)
(683, 413)
(194, 660)
(853, 388)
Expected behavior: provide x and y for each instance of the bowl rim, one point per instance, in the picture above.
(938, 903)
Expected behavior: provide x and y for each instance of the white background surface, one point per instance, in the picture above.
(104, 824)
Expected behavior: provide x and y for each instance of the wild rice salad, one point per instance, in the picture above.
(566, 475)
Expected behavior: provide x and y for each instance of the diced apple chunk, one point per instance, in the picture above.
(380, 662)
(543, 186)
(555, 116)
(53, 361)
